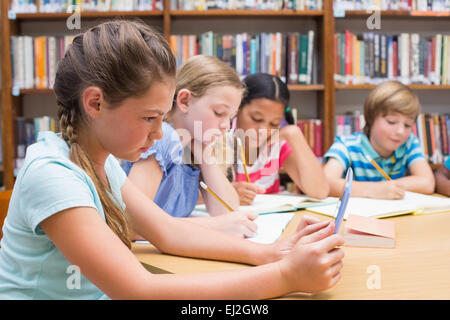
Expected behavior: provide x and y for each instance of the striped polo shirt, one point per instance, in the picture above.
(350, 151)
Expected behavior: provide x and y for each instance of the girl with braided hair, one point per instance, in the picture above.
(73, 208)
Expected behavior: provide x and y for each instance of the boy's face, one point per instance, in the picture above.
(389, 132)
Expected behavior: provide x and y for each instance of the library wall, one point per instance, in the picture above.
(304, 101)
(433, 101)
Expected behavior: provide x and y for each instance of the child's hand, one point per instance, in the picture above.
(247, 192)
(309, 230)
(391, 190)
(238, 223)
(314, 266)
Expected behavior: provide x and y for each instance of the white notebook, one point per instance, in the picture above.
(274, 203)
(270, 226)
(412, 203)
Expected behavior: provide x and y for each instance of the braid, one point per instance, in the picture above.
(114, 214)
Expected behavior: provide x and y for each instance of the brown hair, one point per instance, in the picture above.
(123, 59)
(390, 96)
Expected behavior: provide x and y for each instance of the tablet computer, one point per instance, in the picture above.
(343, 200)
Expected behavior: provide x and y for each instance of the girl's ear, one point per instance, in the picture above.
(93, 101)
(183, 99)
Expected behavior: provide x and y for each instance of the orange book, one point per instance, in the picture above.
(185, 48)
(37, 61)
(173, 44)
(432, 136)
(274, 54)
(425, 140)
(311, 133)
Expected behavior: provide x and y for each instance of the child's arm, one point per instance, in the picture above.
(442, 176)
(86, 241)
(302, 165)
(215, 179)
(380, 190)
(146, 174)
(421, 178)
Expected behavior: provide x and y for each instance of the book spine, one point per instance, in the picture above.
(310, 57)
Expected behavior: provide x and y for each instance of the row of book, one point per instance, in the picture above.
(313, 131)
(421, 5)
(287, 55)
(346, 125)
(432, 130)
(34, 60)
(375, 57)
(27, 131)
(246, 4)
(48, 6)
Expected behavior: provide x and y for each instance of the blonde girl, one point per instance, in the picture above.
(208, 93)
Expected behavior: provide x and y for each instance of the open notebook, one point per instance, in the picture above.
(412, 203)
(276, 203)
(270, 226)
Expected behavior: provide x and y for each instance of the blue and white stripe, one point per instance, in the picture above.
(350, 151)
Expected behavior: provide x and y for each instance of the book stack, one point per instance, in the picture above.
(34, 60)
(289, 56)
(47, 6)
(27, 131)
(375, 57)
(246, 4)
(313, 132)
(349, 123)
(421, 5)
(433, 132)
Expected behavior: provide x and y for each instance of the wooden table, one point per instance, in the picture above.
(418, 267)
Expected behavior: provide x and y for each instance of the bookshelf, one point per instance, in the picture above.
(324, 91)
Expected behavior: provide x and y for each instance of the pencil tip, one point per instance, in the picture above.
(203, 185)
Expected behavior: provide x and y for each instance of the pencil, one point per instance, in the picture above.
(204, 186)
(383, 173)
(243, 158)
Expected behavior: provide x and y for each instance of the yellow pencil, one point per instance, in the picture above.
(243, 158)
(384, 174)
(204, 186)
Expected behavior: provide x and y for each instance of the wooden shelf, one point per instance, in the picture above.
(371, 86)
(292, 87)
(245, 13)
(36, 91)
(395, 14)
(88, 14)
(306, 87)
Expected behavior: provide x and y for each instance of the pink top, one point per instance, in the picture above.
(264, 172)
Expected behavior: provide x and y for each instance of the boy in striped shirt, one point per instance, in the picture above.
(390, 111)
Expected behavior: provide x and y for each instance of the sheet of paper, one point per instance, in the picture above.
(368, 207)
(269, 202)
(270, 227)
